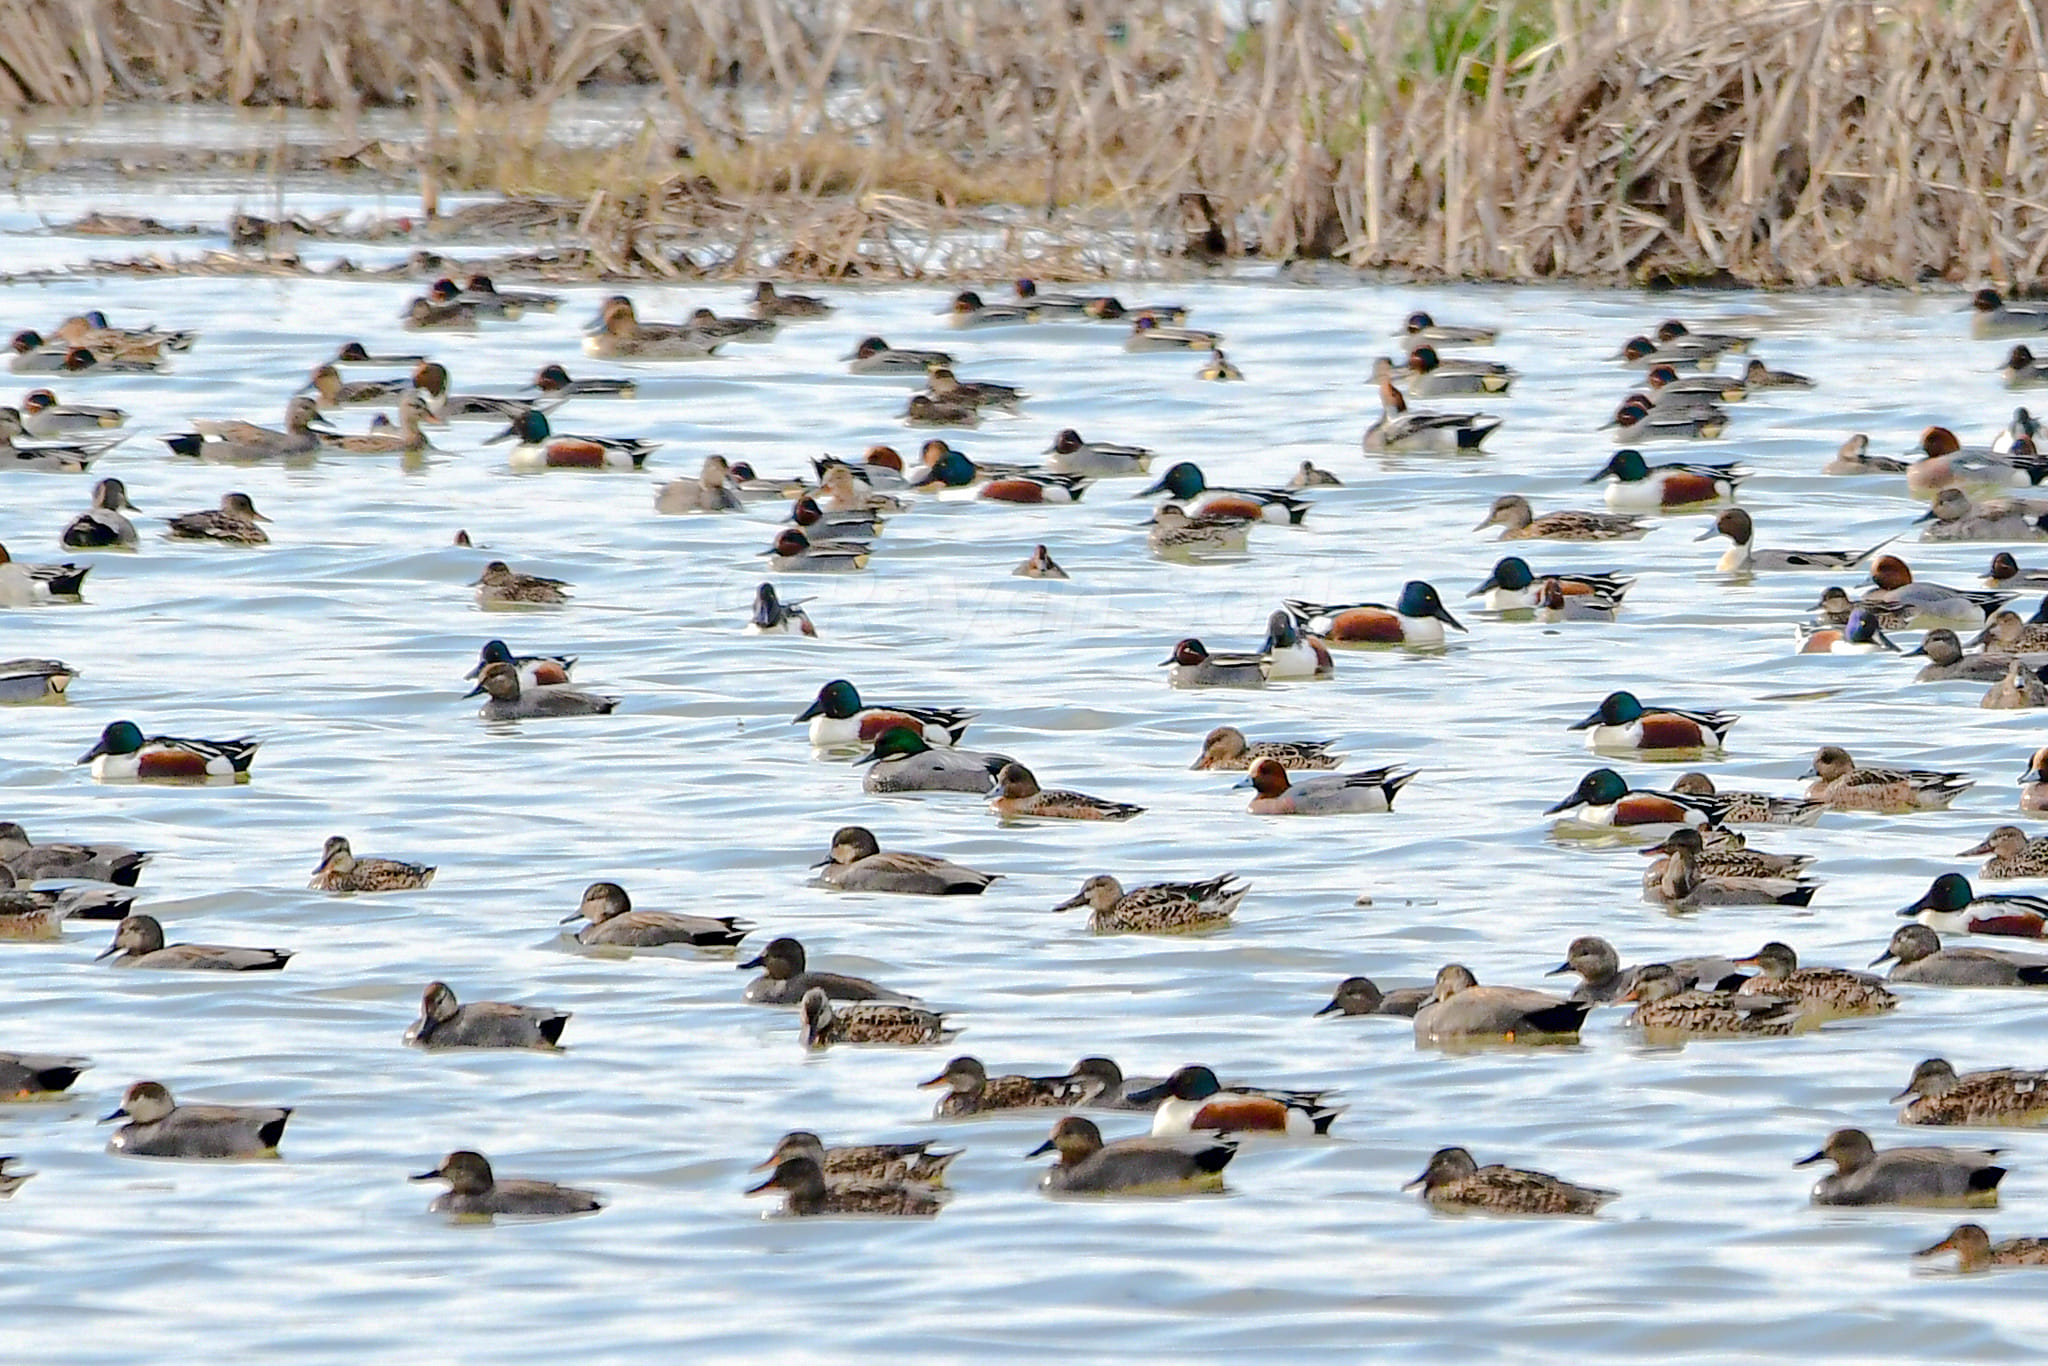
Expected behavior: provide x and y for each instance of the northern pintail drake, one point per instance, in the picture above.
(476, 1192)
(1193, 665)
(1640, 487)
(1604, 800)
(1512, 512)
(102, 527)
(1822, 993)
(1514, 587)
(1854, 457)
(876, 357)
(947, 388)
(1953, 516)
(234, 522)
(501, 586)
(27, 681)
(2006, 1095)
(1992, 316)
(766, 303)
(1150, 334)
(1865, 1175)
(540, 448)
(1129, 1166)
(2034, 782)
(967, 310)
(1312, 476)
(1976, 1252)
(1917, 955)
(1019, 797)
(160, 1127)
(1602, 977)
(42, 415)
(855, 862)
(1846, 785)
(955, 471)
(1158, 908)
(31, 1076)
(535, 671)
(1399, 429)
(1420, 328)
(1329, 794)
(795, 553)
(1623, 723)
(1226, 748)
(865, 1163)
(2022, 688)
(1292, 654)
(341, 871)
(1862, 633)
(1039, 564)
(712, 490)
(139, 943)
(1192, 1101)
(1429, 374)
(611, 920)
(904, 762)
(1185, 483)
(786, 979)
(1750, 808)
(1097, 459)
(1174, 535)
(445, 1022)
(68, 860)
(1678, 883)
(2022, 370)
(1362, 996)
(1638, 419)
(1417, 619)
(874, 1022)
(1743, 558)
(124, 754)
(2005, 572)
(554, 382)
(1454, 1181)
(805, 1193)
(970, 1090)
(1669, 1009)
(1951, 906)
(1460, 1011)
(23, 584)
(619, 334)
(838, 718)
(506, 699)
(776, 616)
(430, 382)
(1218, 367)
(2010, 854)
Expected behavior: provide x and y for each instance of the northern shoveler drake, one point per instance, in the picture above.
(476, 1192)
(68, 860)
(1039, 564)
(1669, 1009)
(553, 382)
(1823, 993)
(904, 762)
(1398, 429)
(1159, 908)
(955, 471)
(1312, 476)
(1641, 487)
(1921, 958)
(1150, 334)
(805, 1192)
(1743, 558)
(445, 1022)
(1846, 785)
(42, 415)
(1678, 883)
(1948, 664)
(1218, 367)
(611, 920)
(125, 755)
(1932, 604)
(1097, 459)
(341, 871)
(1954, 517)
(139, 942)
(160, 1127)
(1419, 327)
(1193, 1101)
(1019, 797)
(501, 586)
(1417, 619)
(1621, 722)
(868, 1022)
(1290, 654)
(1750, 808)
(857, 863)
(1173, 535)
(769, 304)
(865, 1164)
(540, 449)
(22, 584)
(775, 616)
(1453, 1180)
(2005, 572)
(1185, 483)
(2011, 854)
(1462, 1012)
(24, 681)
(507, 700)
(840, 719)
(1130, 1166)
(535, 671)
(1191, 665)
(1951, 906)
(876, 357)
(967, 310)
(1604, 801)
(1368, 791)
(1512, 512)
(1514, 587)
(1226, 749)
(619, 334)
(1362, 996)
(1976, 1252)
(1992, 316)
(2006, 1095)
(946, 387)
(795, 553)
(1860, 634)
(712, 490)
(1854, 457)
(970, 1090)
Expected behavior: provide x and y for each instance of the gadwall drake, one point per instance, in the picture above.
(1105, 1087)
(1160, 908)
(234, 522)
(1459, 1010)
(1226, 748)
(1670, 1010)
(786, 979)
(27, 913)
(856, 863)
(475, 1192)
(1362, 996)
(868, 1022)
(68, 861)
(446, 1023)
(501, 586)
(1946, 662)
(1822, 993)
(805, 1192)
(1452, 1180)
(139, 940)
(1140, 1165)
(508, 701)
(2002, 1096)
(1679, 883)
(341, 871)
(102, 527)
(867, 1163)
(160, 1127)
(970, 1090)
(613, 921)
(33, 1076)
(1903, 1176)
(1917, 955)
(1976, 1252)
(1192, 1099)
(1602, 978)
(1019, 797)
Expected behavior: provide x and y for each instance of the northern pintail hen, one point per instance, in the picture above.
(712, 490)
(1193, 665)
(68, 860)
(1743, 558)
(891, 1163)
(1157, 908)
(838, 718)
(1019, 797)
(1952, 906)
(1669, 1010)
(1097, 459)
(1866, 1175)
(1514, 587)
(28, 681)
(805, 1192)
(139, 943)
(1461, 1011)
(786, 979)
(855, 862)
(870, 1022)
(970, 1090)
(1917, 955)
(341, 871)
(1368, 791)
(1679, 883)
(507, 700)
(1362, 996)
(445, 1022)
(1129, 1166)
(33, 1076)
(1187, 485)
(1750, 808)
(476, 1192)
(1954, 517)
(234, 522)
(1948, 664)
(1641, 487)
(23, 584)
(125, 755)
(1512, 512)
(1976, 1252)
(1604, 801)
(611, 920)
(2005, 1095)
(239, 442)
(874, 356)
(1416, 619)
(1454, 1181)
(102, 527)
(1992, 316)
(1622, 723)
(1822, 993)
(501, 586)
(160, 1127)
(1226, 748)
(2011, 854)
(1191, 1100)
(1846, 785)
(777, 616)
(1602, 977)
(905, 762)
(1399, 428)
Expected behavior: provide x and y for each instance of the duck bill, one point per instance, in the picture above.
(477, 691)
(434, 1175)
(1884, 957)
(939, 1080)
(108, 952)
(508, 434)
(1919, 649)
(2032, 775)
(1492, 582)
(1567, 804)
(1148, 1095)
(1071, 902)
(1586, 724)
(763, 1188)
(101, 748)
(121, 1113)
(1331, 1009)
(1810, 1159)
(576, 914)
(815, 709)
(1926, 516)
(1909, 1091)
(1159, 487)
(1419, 1183)
(1709, 534)
(755, 962)
(1915, 908)
(1976, 850)
(1947, 1244)
(1560, 970)
(1443, 614)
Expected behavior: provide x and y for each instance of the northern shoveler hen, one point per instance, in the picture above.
(1173, 535)
(904, 762)
(445, 1022)
(1158, 908)
(540, 448)
(124, 754)
(970, 1090)
(102, 527)
(2006, 1095)
(805, 1193)
(501, 586)
(1640, 487)
(786, 978)
(341, 871)
(476, 1192)
(1514, 587)
(1951, 906)
(1019, 797)
(775, 616)
(1623, 723)
(139, 942)
(1846, 785)
(1193, 1101)
(1333, 794)
(1976, 1252)
(871, 1022)
(1822, 993)
(613, 921)
(913, 1163)
(1399, 429)
(1417, 619)
(1461, 1011)
(1512, 513)
(1864, 1175)
(1129, 1166)
(855, 862)
(839, 718)
(1453, 1180)
(2011, 854)
(1743, 558)
(160, 1127)
(234, 522)
(1917, 955)
(1185, 483)
(1226, 748)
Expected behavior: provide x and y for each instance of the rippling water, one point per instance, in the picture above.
(342, 645)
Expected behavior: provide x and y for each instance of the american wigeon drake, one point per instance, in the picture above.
(1454, 1181)
(1129, 1166)
(539, 447)
(476, 1192)
(43, 416)
(613, 921)
(1750, 808)
(23, 584)
(778, 616)
(1669, 1009)
(874, 356)
(1623, 723)
(1420, 327)
(27, 681)
(1866, 1175)
(1461, 1011)
(1519, 522)
(805, 1192)
(501, 586)
(1192, 1100)
(1846, 785)
(865, 1163)
(2034, 782)
(1951, 906)
(1158, 908)
(1097, 459)
(1367, 791)
(619, 334)
(1174, 535)
(506, 699)
(1105, 1087)
(68, 860)
(1602, 977)
(1603, 800)
(33, 1076)
(1362, 996)
(970, 1090)
(1429, 374)
(968, 310)
(1185, 483)
(2010, 854)
(2004, 1095)
(124, 754)
(1946, 662)
(341, 871)
(2020, 689)
(1679, 883)
(1861, 633)
(102, 527)
(792, 552)
(1193, 665)
(139, 943)
(839, 718)
(1399, 428)
(234, 522)
(1976, 1252)
(855, 862)
(1039, 564)
(1310, 475)
(904, 762)
(160, 1127)
(1743, 558)
(786, 979)
(1514, 587)
(870, 1022)
(712, 490)
(1416, 619)
(1822, 993)
(1149, 333)
(1992, 316)
(554, 382)
(1854, 457)
(1019, 797)
(1953, 516)
(1225, 748)
(1917, 955)
(1641, 487)
(1218, 367)
(445, 1022)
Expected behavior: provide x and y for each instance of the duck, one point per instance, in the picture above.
(1862, 633)
(124, 754)
(500, 586)
(1602, 978)
(1097, 459)
(2005, 572)
(1512, 512)
(43, 416)
(1917, 955)
(1951, 906)
(1310, 475)
(60, 457)
(1835, 607)
(838, 718)
(1107, 308)
(1947, 663)
(2021, 370)
(33, 1076)
(712, 490)
(2034, 782)
(430, 382)
(1129, 1166)
(335, 392)
(68, 860)
(2020, 689)
(1185, 483)
(476, 1192)
(540, 448)
(1019, 797)
(1637, 419)
(1159, 907)
(1854, 457)
(237, 441)
(1864, 1175)
(27, 681)
(1290, 654)
(1105, 1087)
(234, 522)
(1703, 388)
(40, 915)
(92, 330)
(620, 335)
(553, 382)
(1029, 295)
(1623, 723)
(1727, 852)
(1603, 800)
(341, 871)
(945, 387)
(449, 307)
(1453, 1180)
(1420, 327)
(1191, 1100)
(2003, 1096)
(1679, 883)
(1514, 587)
(1846, 785)
(1743, 558)
(1399, 429)
(2012, 854)
(611, 921)
(1039, 564)
(1149, 333)
(160, 1127)
(806, 1193)
(1822, 993)
(777, 616)
(1670, 1010)
(865, 1163)
(1225, 748)
(1976, 1252)
(1955, 518)
(1944, 462)
(102, 527)
(535, 671)
(847, 489)
(967, 310)
(1331, 794)
(795, 553)
(786, 979)
(33, 356)
(769, 304)
(506, 700)
(1416, 620)
(1460, 1011)
(1992, 316)
(970, 1090)
(705, 323)
(1173, 535)
(1756, 375)
(875, 1022)
(22, 584)
(1218, 367)
(955, 471)
(139, 943)
(873, 356)
(855, 862)
(1192, 665)
(355, 353)
(2005, 634)
(904, 761)
(385, 439)
(1362, 996)
(445, 1022)
(1640, 487)
(1431, 375)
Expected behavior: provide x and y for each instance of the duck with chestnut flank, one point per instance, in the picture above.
(1951, 906)
(1416, 620)
(1185, 484)
(1622, 723)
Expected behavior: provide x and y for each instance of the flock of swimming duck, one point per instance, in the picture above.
(1198, 1122)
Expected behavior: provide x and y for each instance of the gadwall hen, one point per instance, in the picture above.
(446, 1023)
(1452, 1180)
(613, 921)
(785, 979)
(1361, 996)
(160, 1127)
(856, 863)
(1159, 908)
(1141, 1165)
(475, 1192)
(32, 1076)
(1976, 1252)
(1460, 1010)
(139, 940)
(868, 1022)
(341, 871)
(1822, 993)
(1917, 955)
(1602, 978)
(1903, 1176)
(970, 1090)
(805, 1192)
(867, 1163)
(2002, 1096)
